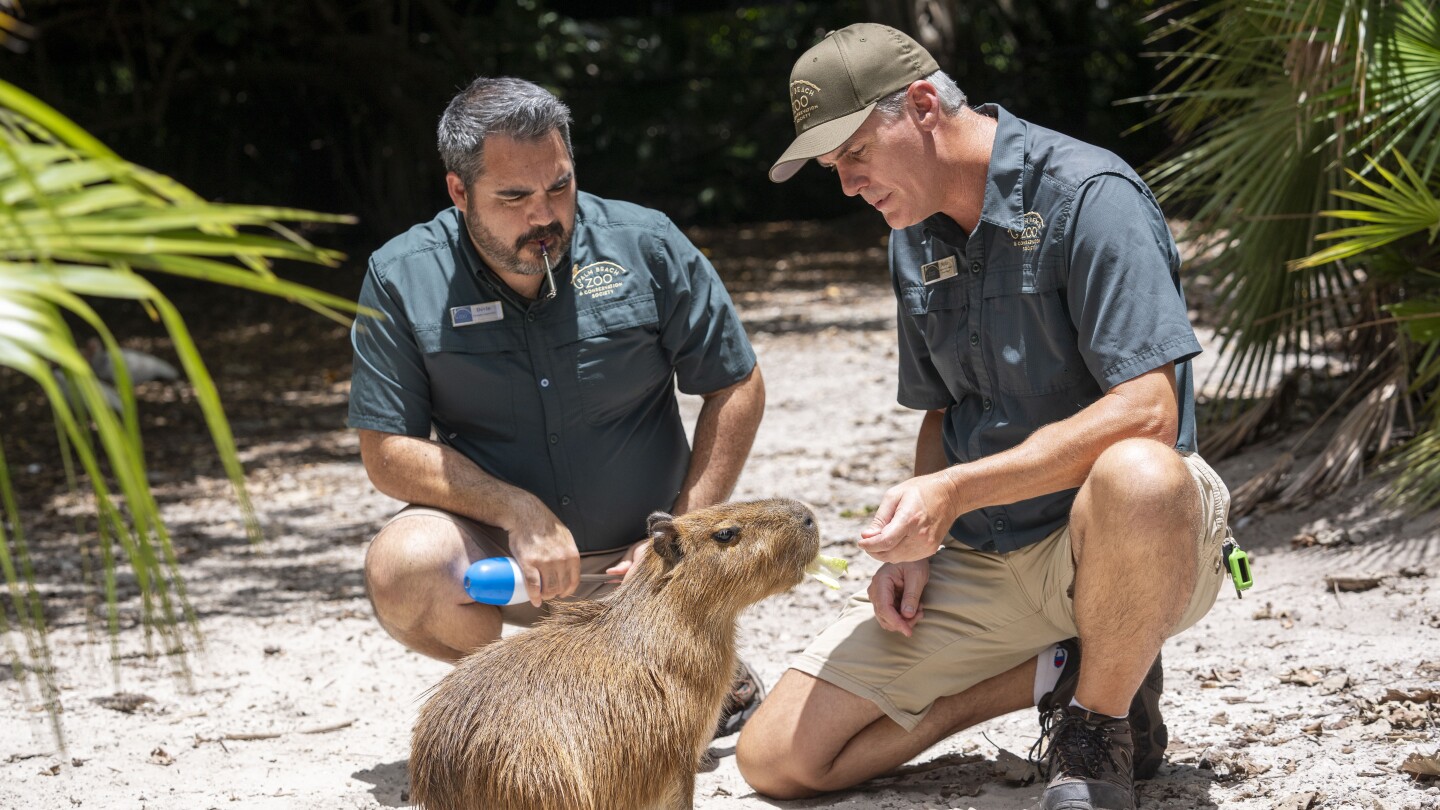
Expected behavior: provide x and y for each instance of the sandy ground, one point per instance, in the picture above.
(1297, 696)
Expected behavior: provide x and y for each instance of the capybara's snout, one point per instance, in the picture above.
(809, 531)
(792, 538)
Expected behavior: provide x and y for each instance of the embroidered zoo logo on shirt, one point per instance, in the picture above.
(1028, 237)
(803, 99)
(598, 280)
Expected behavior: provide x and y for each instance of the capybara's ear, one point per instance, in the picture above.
(664, 539)
(657, 518)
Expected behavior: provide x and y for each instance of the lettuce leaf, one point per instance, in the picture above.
(828, 569)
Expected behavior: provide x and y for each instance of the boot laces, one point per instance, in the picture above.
(1038, 750)
(1079, 749)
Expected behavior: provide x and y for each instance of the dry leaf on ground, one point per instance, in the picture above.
(1352, 584)
(1417, 696)
(1422, 766)
(1302, 677)
(1297, 801)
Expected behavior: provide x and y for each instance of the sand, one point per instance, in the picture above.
(1299, 695)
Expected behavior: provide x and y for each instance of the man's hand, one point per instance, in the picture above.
(913, 519)
(895, 593)
(631, 560)
(545, 551)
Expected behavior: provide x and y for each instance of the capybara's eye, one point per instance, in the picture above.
(809, 521)
(727, 534)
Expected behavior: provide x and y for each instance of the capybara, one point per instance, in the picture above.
(611, 704)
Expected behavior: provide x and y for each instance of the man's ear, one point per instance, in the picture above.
(458, 193)
(664, 539)
(923, 98)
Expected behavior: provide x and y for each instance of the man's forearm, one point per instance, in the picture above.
(428, 473)
(930, 444)
(1059, 456)
(724, 432)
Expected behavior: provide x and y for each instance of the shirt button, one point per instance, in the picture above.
(544, 382)
(987, 403)
(564, 500)
(530, 316)
(1000, 524)
(974, 338)
(974, 267)
(554, 438)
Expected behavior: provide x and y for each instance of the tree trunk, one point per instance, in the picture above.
(930, 22)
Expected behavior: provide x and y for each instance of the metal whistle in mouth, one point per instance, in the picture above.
(549, 272)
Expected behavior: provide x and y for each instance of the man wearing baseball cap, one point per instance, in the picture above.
(1057, 492)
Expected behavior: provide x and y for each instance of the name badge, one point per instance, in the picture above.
(938, 271)
(476, 313)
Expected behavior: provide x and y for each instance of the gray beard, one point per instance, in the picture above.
(507, 257)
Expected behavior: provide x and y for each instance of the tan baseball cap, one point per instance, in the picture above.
(834, 86)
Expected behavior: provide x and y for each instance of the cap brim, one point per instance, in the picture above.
(814, 142)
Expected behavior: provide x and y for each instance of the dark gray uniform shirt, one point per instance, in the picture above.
(1068, 286)
(571, 399)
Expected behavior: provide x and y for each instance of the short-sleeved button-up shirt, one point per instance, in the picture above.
(1068, 286)
(571, 399)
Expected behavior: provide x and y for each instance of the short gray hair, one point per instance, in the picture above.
(952, 98)
(505, 106)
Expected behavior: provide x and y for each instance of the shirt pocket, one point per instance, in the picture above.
(940, 313)
(619, 362)
(474, 372)
(1030, 338)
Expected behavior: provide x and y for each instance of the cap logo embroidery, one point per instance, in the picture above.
(598, 280)
(803, 99)
(1028, 237)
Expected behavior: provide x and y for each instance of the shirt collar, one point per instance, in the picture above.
(1004, 204)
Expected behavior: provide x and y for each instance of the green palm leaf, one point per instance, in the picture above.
(1400, 209)
(1276, 104)
(76, 222)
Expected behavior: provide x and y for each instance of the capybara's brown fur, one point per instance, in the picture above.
(611, 704)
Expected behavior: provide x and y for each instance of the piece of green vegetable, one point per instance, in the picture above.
(828, 569)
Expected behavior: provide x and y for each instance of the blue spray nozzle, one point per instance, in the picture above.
(496, 581)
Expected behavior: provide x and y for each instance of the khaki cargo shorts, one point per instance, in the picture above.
(493, 541)
(984, 614)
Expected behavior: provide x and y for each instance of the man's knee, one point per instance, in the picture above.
(782, 755)
(1144, 473)
(766, 759)
(403, 565)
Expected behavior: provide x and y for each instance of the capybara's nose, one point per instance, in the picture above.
(807, 511)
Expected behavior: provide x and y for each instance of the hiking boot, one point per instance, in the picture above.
(1147, 726)
(1087, 763)
(745, 695)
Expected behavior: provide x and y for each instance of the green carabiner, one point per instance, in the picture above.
(1238, 563)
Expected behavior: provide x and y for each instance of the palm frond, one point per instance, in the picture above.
(1417, 483)
(78, 222)
(1261, 487)
(1403, 207)
(1366, 432)
(1277, 105)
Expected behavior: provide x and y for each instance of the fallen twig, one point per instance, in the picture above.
(270, 735)
(329, 728)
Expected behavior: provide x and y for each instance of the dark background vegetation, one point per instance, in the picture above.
(331, 104)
